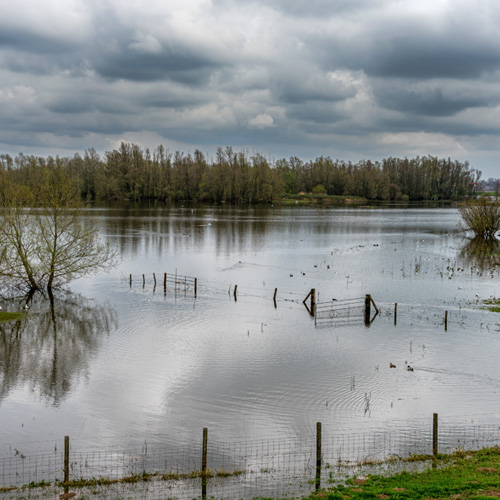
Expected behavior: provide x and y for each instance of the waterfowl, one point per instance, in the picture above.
(392, 365)
(409, 368)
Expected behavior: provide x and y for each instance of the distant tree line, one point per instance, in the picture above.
(132, 173)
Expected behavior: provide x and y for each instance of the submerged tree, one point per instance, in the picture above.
(482, 216)
(44, 240)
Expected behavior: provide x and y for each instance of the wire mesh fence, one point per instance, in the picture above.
(340, 312)
(277, 467)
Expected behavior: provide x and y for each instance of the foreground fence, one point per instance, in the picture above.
(277, 468)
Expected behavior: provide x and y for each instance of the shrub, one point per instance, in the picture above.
(482, 216)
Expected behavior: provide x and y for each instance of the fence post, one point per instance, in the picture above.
(434, 435)
(204, 464)
(311, 294)
(367, 309)
(130, 280)
(143, 280)
(66, 462)
(395, 313)
(446, 320)
(195, 287)
(274, 298)
(234, 293)
(318, 456)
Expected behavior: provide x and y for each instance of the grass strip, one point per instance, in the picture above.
(462, 476)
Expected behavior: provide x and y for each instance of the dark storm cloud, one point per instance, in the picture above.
(435, 101)
(305, 90)
(365, 77)
(313, 8)
(427, 58)
(177, 63)
(25, 40)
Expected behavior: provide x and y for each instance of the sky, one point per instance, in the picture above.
(348, 79)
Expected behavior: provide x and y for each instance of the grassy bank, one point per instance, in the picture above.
(309, 198)
(462, 476)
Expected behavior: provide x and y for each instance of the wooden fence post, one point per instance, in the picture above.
(195, 288)
(395, 313)
(234, 293)
(446, 320)
(204, 464)
(318, 456)
(274, 298)
(367, 309)
(130, 280)
(143, 280)
(434, 435)
(66, 462)
(311, 294)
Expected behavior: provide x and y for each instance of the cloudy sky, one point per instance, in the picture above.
(351, 79)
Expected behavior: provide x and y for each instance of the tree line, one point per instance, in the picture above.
(131, 173)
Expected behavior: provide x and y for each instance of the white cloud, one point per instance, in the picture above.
(261, 121)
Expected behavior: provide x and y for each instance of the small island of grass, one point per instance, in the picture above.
(492, 305)
(11, 316)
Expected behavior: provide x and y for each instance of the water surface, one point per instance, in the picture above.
(126, 364)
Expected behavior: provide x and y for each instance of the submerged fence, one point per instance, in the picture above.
(171, 281)
(345, 311)
(277, 467)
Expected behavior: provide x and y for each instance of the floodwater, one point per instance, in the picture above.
(124, 362)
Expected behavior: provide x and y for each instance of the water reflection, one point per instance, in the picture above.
(52, 347)
(484, 254)
(135, 230)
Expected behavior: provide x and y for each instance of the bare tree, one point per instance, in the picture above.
(45, 241)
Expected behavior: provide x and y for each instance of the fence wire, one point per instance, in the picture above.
(275, 468)
(340, 311)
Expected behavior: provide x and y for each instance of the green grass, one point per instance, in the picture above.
(10, 316)
(492, 305)
(463, 476)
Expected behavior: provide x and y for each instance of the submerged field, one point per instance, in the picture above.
(124, 364)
